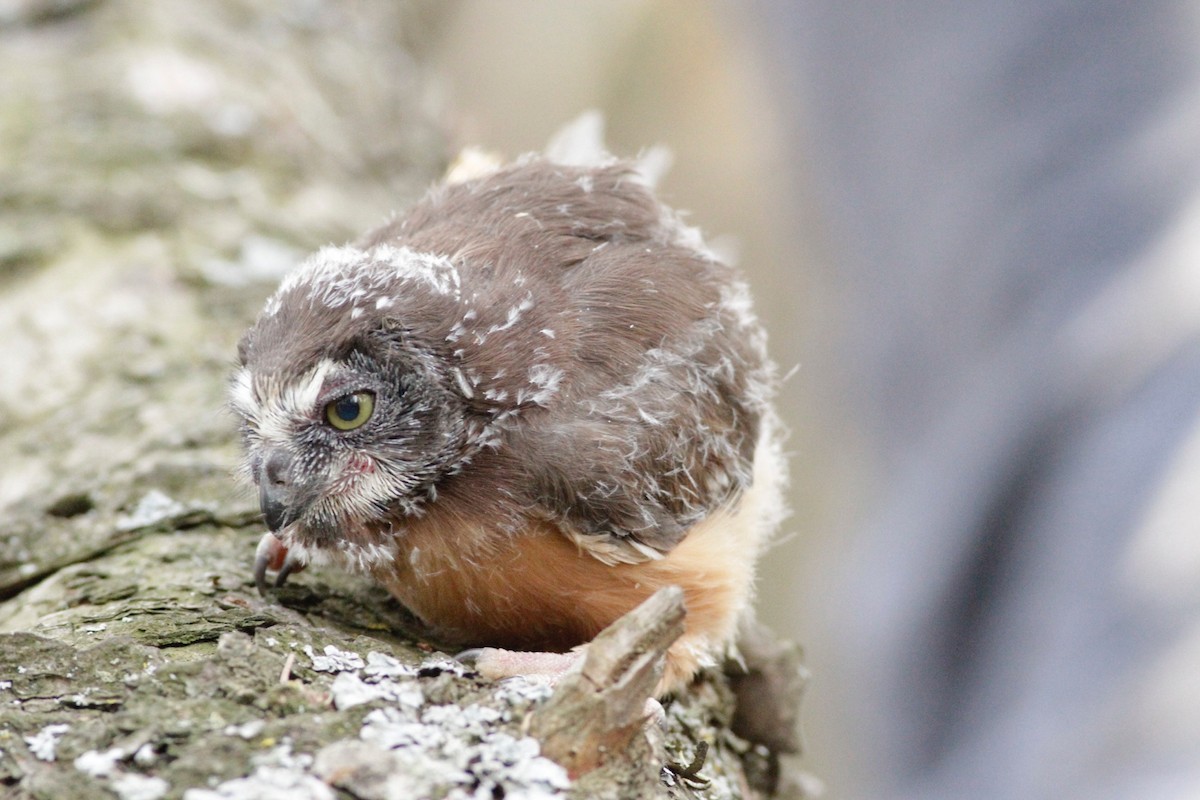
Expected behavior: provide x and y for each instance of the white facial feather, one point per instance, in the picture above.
(353, 555)
(241, 394)
(274, 411)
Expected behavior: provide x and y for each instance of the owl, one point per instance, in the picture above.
(522, 406)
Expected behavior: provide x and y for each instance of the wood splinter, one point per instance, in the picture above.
(599, 707)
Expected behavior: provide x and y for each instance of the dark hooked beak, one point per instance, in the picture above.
(275, 489)
(274, 507)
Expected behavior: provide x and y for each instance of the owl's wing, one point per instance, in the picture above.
(626, 471)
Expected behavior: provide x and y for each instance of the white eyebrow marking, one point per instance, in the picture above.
(275, 416)
(304, 393)
(241, 394)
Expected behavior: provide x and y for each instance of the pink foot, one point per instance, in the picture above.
(272, 555)
(495, 664)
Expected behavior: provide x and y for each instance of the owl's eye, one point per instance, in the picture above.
(350, 411)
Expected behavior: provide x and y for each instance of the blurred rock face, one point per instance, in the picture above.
(160, 165)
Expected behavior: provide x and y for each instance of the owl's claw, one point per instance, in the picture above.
(290, 565)
(470, 656)
(272, 555)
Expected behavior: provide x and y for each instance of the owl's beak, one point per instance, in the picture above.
(274, 509)
(275, 489)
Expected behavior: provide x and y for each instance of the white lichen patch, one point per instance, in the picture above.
(349, 690)
(154, 508)
(266, 783)
(167, 81)
(97, 764)
(408, 747)
(380, 677)
(334, 660)
(134, 786)
(449, 751)
(282, 755)
(247, 730)
(520, 692)
(44, 743)
(261, 260)
(440, 663)
(106, 766)
(146, 756)
(381, 665)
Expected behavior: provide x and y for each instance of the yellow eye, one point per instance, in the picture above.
(350, 411)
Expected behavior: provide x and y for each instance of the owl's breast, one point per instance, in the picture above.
(536, 588)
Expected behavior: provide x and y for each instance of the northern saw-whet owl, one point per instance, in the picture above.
(522, 406)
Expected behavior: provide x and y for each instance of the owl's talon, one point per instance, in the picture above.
(469, 656)
(270, 555)
(290, 565)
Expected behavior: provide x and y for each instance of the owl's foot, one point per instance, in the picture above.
(272, 555)
(494, 664)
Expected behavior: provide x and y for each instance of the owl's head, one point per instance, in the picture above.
(349, 414)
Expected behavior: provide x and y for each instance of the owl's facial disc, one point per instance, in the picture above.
(325, 479)
(315, 448)
(351, 446)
